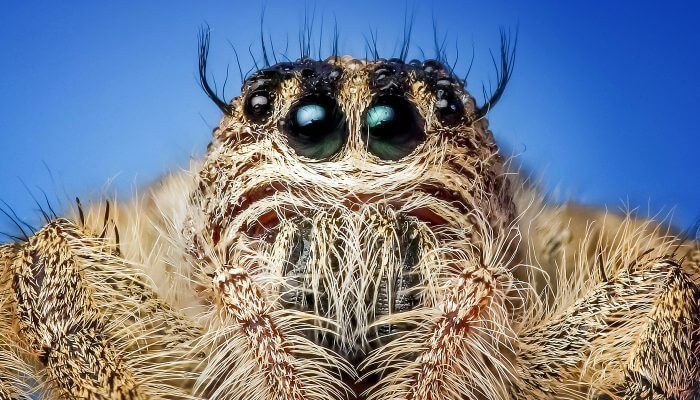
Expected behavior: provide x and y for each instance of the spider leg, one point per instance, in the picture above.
(632, 335)
(665, 359)
(95, 328)
(15, 372)
(60, 322)
(461, 353)
(256, 355)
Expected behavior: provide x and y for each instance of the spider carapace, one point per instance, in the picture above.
(352, 233)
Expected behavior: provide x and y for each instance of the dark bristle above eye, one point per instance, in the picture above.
(204, 39)
(504, 71)
(322, 77)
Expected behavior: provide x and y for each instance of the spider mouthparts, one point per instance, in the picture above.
(354, 279)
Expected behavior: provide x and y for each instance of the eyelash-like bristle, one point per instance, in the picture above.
(204, 39)
(503, 66)
(504, 71)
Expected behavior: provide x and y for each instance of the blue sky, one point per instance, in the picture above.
(603, 105)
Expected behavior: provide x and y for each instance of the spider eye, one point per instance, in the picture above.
(258, 106)
(392, 128)
(448, 106)
(315, 127)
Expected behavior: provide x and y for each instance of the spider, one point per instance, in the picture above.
(352, 233)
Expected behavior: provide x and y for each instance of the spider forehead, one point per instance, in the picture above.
(386, 76)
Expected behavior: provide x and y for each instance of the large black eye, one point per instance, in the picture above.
(315, 127)
(392, 128)
(258, 106)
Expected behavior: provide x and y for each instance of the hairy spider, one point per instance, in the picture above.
(352, 233)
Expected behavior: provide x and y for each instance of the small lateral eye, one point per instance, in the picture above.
(315, 127)
(392, 128)
(448, 107)
(258, 106)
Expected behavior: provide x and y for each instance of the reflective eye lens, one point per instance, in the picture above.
(393, 128)
(315, 127)
(379, 115)
(310, 114)
(258, 106)
(259, 102)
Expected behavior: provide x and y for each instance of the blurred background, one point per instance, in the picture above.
(102, 97)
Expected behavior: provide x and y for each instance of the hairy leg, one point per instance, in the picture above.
(93, 325)
(256, 350)
(263, 344)
(633, 333)
(665, 359)
(561, 240)
(15, 372)
(460, 348)
(615, 306)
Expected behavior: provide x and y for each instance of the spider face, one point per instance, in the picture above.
(350, 234)
(353, 190)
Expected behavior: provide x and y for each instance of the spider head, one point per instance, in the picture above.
(351, 189)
